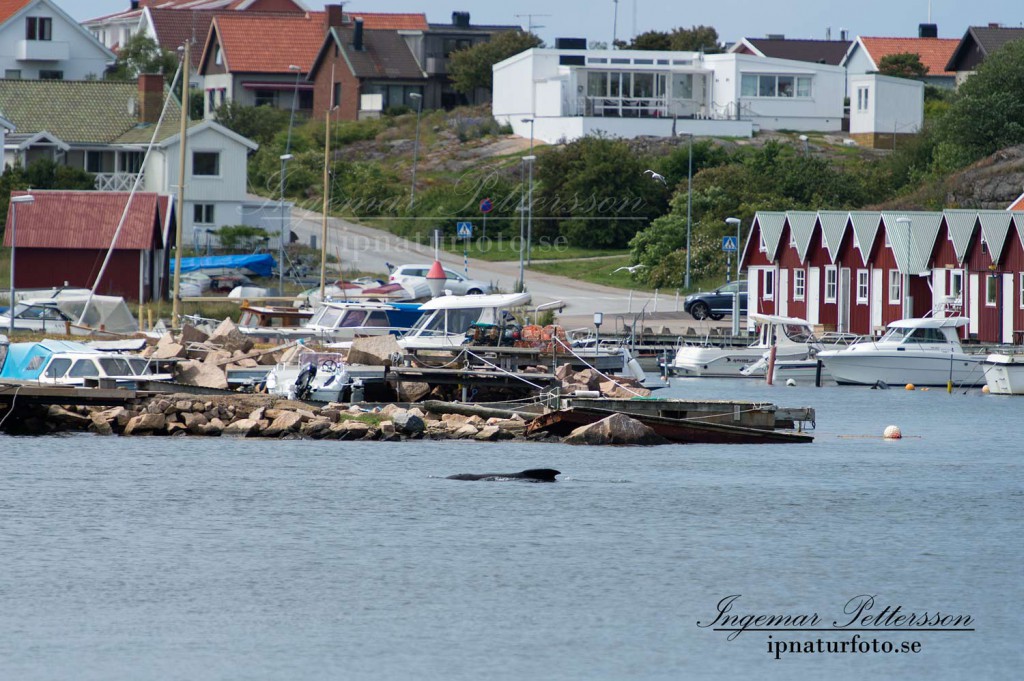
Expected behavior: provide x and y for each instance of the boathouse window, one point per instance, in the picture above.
(956, 285)
(769, 284)
(895, 287)
(799, 284)
(991, 290)
(831, 283)
(862, 286)
(1021, 287)
(206, 163)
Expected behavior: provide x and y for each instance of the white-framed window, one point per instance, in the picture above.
(831, 283)
(38, 28)
(895, 287)
(863, 286)
(206, 163)
(770, 85)
(1021, 287)
(862, 98)
(956, 285)
(991, 290)
(202, 213)
(769, 284)
(799, 284)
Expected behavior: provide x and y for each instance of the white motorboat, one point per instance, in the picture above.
(806, 369)
(1004, 373)
(792, 337)
(56, 362)
(447, 320)
(923, 351)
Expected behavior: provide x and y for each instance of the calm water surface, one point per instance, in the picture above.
(219, 559)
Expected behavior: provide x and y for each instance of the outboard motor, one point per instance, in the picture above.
(304, 382)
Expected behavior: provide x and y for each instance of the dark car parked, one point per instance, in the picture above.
(718, 303)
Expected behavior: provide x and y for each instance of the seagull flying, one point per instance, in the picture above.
(631, 270)
(656, 176)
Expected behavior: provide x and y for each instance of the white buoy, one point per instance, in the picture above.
(892, 433)
(790, 382)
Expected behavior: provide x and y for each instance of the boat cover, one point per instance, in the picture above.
(259, 264)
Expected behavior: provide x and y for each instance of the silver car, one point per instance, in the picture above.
(414, 277)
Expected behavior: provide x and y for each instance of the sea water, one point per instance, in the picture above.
(190, 558)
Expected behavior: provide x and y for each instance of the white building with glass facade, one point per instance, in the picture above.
(570, 93)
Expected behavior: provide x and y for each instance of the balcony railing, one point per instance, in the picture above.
(116, 182)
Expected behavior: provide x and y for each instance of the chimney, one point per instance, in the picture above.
(828, 33)
(842, 34)
(151, 97)
(335, 15)
(993, 24)
(135, 4)
(460, 19)
(928, 31)
(357, 36)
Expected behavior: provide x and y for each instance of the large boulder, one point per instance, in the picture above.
(146, 424)
(190, 334)
(407, 423)
(228, 337)
(411, 391)
(285, 422)
(192, 372)
(374, 350)
(168, 351)
(621, 390)
(242, 428)
(617, 429)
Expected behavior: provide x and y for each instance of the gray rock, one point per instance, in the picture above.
(373, 350)
(242, 428)
(408, 423)
(286, 422)
(145, 424)
(617, 429)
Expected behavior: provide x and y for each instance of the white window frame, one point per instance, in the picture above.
(206, 211)
(862, 98)
(957, 275)
(991, 290)
(831, 283)
(863, 286)
(799, 284)
(212, 176)
(769, 285)
(1021, 287)
(797, 92)
(895, 287)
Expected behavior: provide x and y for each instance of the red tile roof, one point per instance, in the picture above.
(269, 44)
(9, 8)
(379, 21)
(1018, 204)
(934, 52)
(88, 220)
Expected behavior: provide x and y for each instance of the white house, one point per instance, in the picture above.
(38, 40)
(105, 128)
(570, 93)
(884, 109)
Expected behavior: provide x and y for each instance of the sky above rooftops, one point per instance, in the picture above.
(734, 19)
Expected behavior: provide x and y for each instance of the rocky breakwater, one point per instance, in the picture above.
(264, 416)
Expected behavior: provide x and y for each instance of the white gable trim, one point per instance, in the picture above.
(63, 15)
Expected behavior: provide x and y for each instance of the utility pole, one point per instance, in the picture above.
(176, 299)
(530, 26)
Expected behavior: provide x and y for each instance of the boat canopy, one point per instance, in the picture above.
(930, 323)
(775, 319)
(259, 264)
(26, 361)
(110, 313)
(493, 300)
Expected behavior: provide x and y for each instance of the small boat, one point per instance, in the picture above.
(448, 320)
(56, 362)
(924, 351)
(320, 376)
(807, 369)
(59, 313)
(346, 321)
(1004, 373)
(792, 336)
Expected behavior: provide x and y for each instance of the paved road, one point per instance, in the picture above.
(367, 249)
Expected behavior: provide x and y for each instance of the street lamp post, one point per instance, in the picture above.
(907, 311)
(15, 200)
(285, 157)
(529, 201)
(736, 295)
(415, 147)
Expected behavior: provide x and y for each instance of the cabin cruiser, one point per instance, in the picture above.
(61, 312)
(55, 362)
(924, 351)
(449, 320)
(332, 321)
(1004, 373)
(792, 337)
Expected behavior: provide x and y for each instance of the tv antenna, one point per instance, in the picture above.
(530, 26)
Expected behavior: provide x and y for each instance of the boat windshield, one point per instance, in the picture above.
(923, 335)
(798, 333)
(352, 319)
(444, 322)
(115, 366)
(327, 317)
(140, 367)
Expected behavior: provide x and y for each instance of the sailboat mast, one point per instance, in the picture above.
(176, 305)
(327, 190)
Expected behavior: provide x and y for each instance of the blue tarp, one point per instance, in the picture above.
(259, 264)
(25, 361)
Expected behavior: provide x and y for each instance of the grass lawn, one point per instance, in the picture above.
(498, 250)
(595, 272)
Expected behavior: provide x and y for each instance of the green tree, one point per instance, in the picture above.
(259, 123)
(988, 112)
(902, 65)
(596, 190)
(470, 68)
(696, 39)
(651, 40)
(141, 54)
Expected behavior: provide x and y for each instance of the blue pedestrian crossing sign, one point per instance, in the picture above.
(729, 244)
(464, 230)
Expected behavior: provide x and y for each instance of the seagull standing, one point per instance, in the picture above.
(656, 176)
(631, 270)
